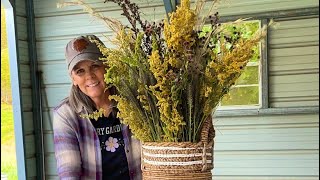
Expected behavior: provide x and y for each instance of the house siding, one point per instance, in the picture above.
(26, 89)
(246, 147)
(294, 63)
(267, 147)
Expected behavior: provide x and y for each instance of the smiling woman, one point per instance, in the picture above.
(87, 147)
(88, 76)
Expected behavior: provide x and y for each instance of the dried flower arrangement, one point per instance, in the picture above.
(167, 74)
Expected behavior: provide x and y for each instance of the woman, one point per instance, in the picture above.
(87, 148)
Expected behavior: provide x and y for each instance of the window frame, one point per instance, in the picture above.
(263, 79)
(262, 72)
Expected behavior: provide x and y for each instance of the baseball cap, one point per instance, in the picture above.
(81, 48)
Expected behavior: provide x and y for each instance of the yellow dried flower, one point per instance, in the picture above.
(170, 77)
(178, 31)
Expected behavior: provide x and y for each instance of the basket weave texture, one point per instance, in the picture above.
(179, 160)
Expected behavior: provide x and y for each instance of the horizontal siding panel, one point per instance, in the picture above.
(234, 7)
(231, 7)
(49, 8)
(31, 168)
(21, 23)
(283, 94)
(296, 67)
(48, 143)
(26, 98)
(51, 165)
(294, 42)
(73, 25)
(55, 74)
(32, 178)
(257, 138)
(223, 159)
(28, 125)
(294, 63)
(289, 60)
(265, 120)
(293, 87)
(298, 78)
(47, 121)
(257, 165)
(60, 92)
(266, 126)
(242, 171)
(295, 90)
(82, 24)
(296, 51)
(23, 52)
(52, 177)
(295, 104)
(20, 8)
(53, 50)
(29, 146)
(294, 24)
(295, 33)
(23, 56)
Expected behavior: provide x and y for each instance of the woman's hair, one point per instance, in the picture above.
(78, 99)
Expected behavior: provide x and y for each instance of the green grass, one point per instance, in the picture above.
(7, 133)
(8, 150)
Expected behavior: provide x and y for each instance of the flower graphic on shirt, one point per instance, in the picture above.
(112, 144)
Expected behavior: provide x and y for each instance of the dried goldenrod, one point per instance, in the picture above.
(171, 75)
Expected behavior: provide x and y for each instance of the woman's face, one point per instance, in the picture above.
(89, 76)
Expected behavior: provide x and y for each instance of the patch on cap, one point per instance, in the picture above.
(79, 45)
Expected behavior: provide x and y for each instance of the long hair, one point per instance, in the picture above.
(78, 99)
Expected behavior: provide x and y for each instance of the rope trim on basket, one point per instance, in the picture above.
(175, 155)
(175, 163)
(179, 160)
(167, 148)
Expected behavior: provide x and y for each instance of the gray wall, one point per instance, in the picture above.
(280, 142)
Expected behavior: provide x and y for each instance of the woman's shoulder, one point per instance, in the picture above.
(64, 103)
(64, 113)
(64, 109)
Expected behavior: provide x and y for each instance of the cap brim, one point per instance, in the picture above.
(83, 57)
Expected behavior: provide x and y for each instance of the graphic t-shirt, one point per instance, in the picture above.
(114, 161)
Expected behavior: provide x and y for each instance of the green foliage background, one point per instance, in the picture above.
(3, 30)
(5, 70)
(5, 78)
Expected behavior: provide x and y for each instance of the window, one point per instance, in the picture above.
(246, 92)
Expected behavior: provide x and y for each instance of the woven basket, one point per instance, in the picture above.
(182, 160)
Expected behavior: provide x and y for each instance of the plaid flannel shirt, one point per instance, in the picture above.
(77, 146)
